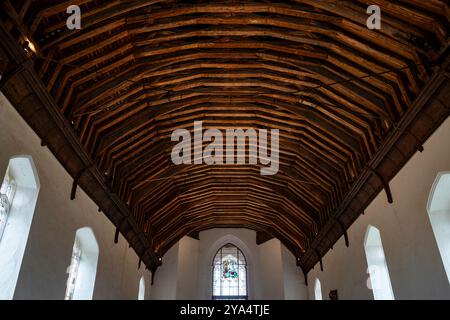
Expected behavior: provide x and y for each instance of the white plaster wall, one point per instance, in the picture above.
(413, 260)
(56, 219)
(187, 269)
(294, 280)
(272, 273)
(165, 282)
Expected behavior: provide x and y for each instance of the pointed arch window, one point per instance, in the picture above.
(7, 191)
(379, 281)
(439, 214)
(73, 269)
(19, 191)
(229, 274)
(317, 290)
(83, 266)
(141, 294)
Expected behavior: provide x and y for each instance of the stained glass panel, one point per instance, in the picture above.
(7, 190)
(229, 274)
(72, 270)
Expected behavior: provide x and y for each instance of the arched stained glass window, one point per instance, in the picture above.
(229, 274)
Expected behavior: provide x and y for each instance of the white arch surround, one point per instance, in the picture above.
(87, 270)
(13, 243)
(438, 208)
(379, 281)
(229, 238)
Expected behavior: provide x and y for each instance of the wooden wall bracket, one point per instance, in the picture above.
(305, 274)
(320, 259)
(385, 183)
(153, 271)
(153, 277)
(116, 235)
(73, 193)
(347, 243)
(140, 258)
(420, 147)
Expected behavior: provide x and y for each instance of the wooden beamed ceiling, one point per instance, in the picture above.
(138, 70)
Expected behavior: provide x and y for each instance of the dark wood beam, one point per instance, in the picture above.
(262, 237)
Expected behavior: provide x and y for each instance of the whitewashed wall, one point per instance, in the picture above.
(413, 260)
(293, 277)
(271, 268)
(165, 282)
(187, 269)
(48, 251)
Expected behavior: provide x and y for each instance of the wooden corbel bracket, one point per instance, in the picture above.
(385, 183)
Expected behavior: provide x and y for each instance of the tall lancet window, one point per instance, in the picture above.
(379, 281)
(229, 274)
(439, 214)
(83, 266)
(141, 294)
(317, 290)
(72, 270)
(19, 191)
(7, 191)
